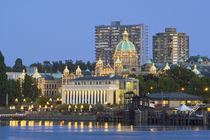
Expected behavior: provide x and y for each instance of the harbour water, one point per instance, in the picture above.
(53, 130)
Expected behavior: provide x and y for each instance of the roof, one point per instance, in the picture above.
(47, 76)
(149, 61)
(172, 96)
(99, 78)
(125, 45)
(198, 58)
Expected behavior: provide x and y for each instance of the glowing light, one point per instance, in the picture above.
(13, 123)
(16, 100)
(23, 123)
(106, 126)
(40, 123)
(30, 123)
(82, 125)
(182, 89)
(90, 126)
(24, 100)
(69, 124)
(119, 127)
(131, 127)
(206, 89)
(61, 123)
(75, 124)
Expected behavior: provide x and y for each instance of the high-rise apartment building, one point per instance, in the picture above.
(108, 36)
(170, 46)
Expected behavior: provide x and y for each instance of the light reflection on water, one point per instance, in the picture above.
(97, 126)
(32, 129)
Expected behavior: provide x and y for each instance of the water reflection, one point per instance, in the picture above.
(48, 123)
(106, 126)
(90, 126)
(23, 123)
(82, 126)
(119, 127)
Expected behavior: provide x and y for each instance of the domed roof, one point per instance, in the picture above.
(22, 76)
(87, 70)
(153, 68)
(78, 70)
(166, 67)
(195, 70)
(125, 44)
(200, 60)
(118, 60)
(149, 61)
(57, 75)
(66, 70)
(100, 61)
(181, 60)
(36, 75)
(188, 67)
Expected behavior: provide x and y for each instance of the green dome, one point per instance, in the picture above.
(118, 61)
(189, 68)
(125, 45)
(36, 75)
(149, 61)
(200, 60)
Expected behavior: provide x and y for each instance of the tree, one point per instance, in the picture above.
(18, 67)
(13, 90)
(150, 86)
(167, 84)
(30, 88)
(3, 80)
(180, 75)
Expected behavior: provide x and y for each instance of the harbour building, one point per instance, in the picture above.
(98, 90)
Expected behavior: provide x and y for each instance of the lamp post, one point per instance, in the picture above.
(90, 107)
(182, 89)
(69, 108)
(206, 89)
(81, 108)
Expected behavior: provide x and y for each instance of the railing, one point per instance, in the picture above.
(12, 115)
(195, 108)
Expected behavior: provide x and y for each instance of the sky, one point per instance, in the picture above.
(39, 30)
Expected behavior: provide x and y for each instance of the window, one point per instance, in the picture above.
(75, 83)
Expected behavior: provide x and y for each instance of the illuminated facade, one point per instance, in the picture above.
(98, 90)
(125, 60)
(170, 47)
(108, 36)
(49, 85)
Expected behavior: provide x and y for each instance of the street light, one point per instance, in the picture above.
(90, 107)
(182, 89)
(16, 100)
(206, 89)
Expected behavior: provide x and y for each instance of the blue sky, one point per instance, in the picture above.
(38, 30)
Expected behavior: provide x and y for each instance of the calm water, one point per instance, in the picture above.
(26, 130)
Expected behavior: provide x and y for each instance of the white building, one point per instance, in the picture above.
(98, 90)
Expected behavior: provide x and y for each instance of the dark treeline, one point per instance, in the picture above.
(53, 67)
(29, 90)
